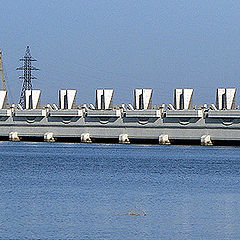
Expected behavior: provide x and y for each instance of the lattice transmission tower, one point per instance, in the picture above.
(27, 76)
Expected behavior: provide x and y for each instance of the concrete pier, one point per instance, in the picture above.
(85, 138)
(206, 140)
(164, 139)
(13, 136)
(49, 137)
(123, 138)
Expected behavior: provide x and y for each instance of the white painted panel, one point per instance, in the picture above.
(71, 98)
(137, 98)
(99, 98)
(230, 97)
(147, 98)
(62, 97)
(3, 99)
(28, 94)
(36, 94)
(177, 98)
(108, 98)
(187, 98)
(220, 98)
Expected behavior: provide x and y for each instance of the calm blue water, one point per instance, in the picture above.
(73, 191)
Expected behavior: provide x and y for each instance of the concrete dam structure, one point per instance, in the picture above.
(177, 123)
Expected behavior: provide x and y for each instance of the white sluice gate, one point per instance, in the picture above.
(32, 99)
(104, 98)
(225, 98)
(143, 98)
(183, 98)
(67, 98)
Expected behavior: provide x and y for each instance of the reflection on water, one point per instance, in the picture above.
(75, 190)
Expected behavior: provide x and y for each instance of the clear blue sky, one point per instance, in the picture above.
(123, 45)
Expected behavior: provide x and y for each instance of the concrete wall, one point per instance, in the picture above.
(142, 124)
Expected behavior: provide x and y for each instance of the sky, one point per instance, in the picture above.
(123, 45)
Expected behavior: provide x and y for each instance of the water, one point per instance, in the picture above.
(73, 191)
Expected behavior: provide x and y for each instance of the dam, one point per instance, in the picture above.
(140, 122)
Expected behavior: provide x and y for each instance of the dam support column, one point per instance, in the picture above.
(85, 138)
(13, 136)
(123, 138)
(48, 137)
(206, 140)
(164, 140)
